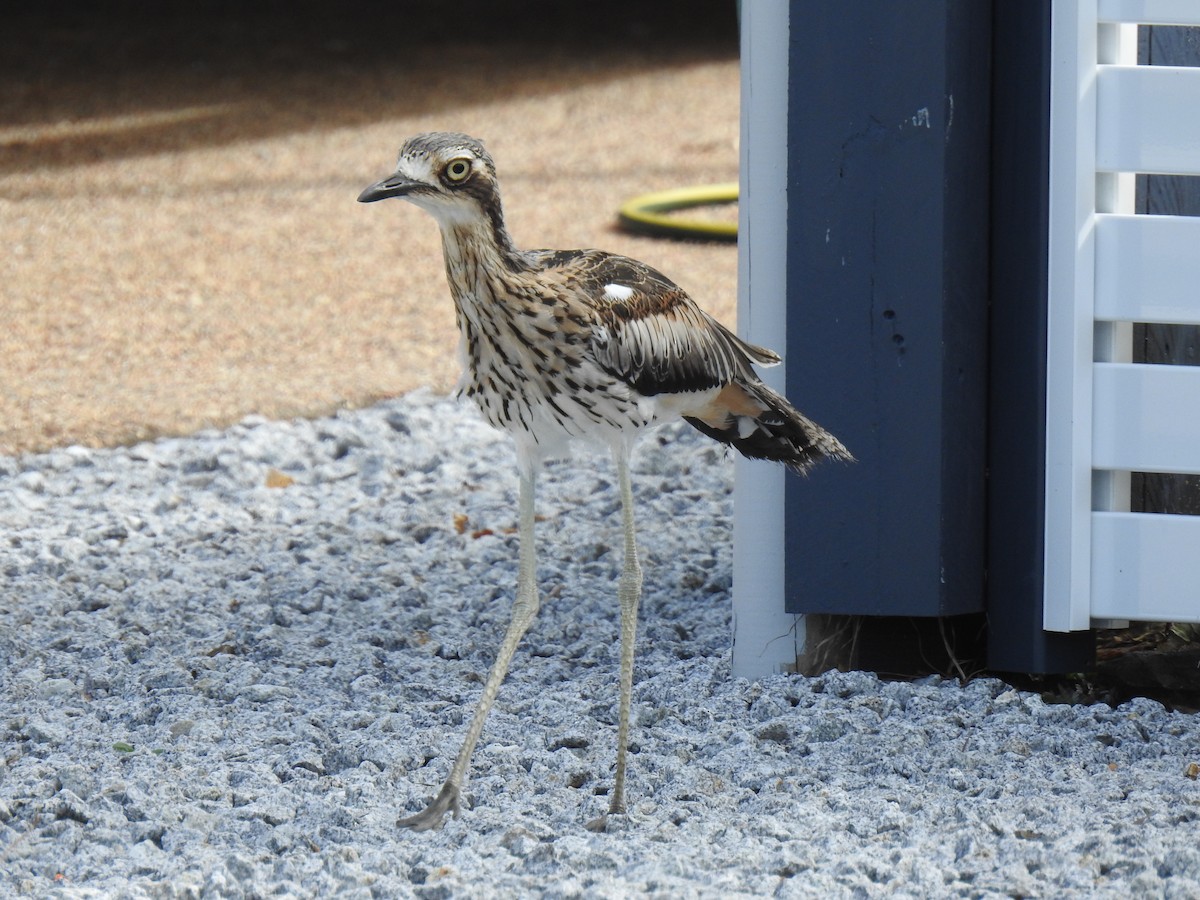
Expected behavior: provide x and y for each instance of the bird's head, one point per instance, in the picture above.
(449, 175)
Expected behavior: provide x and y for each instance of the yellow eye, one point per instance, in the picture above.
(458, 169)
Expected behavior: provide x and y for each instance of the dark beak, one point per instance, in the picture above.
(393, 186)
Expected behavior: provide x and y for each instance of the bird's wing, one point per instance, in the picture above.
(648, 332)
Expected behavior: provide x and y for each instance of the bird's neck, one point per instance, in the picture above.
(475, 249)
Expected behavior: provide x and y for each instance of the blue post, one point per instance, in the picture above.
(889, 111)
(1017, 383)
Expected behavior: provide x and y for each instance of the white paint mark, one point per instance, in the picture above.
(922, 117)
(618, 291)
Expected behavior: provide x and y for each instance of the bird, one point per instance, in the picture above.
(566, 346)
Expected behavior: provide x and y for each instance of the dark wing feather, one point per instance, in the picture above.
(657, 340)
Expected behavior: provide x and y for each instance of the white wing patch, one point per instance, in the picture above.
(617, 292)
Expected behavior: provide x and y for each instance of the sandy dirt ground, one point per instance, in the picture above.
(181, 244)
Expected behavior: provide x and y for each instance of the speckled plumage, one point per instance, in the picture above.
(549, 355)
(560, 345)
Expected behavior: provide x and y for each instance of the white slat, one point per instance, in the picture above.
(1150, 12)
(1144, 567)
(1146, 418)
(1148, 268)
(1147, 120)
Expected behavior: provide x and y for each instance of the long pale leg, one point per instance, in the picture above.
(629, 593)
(525, 608)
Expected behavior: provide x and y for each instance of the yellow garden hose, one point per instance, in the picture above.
(644, 214)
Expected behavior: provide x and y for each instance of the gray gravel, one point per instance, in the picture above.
(217, 688)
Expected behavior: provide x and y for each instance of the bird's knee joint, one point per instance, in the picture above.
(525, 608)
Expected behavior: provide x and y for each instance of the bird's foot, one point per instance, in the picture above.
(601, 823)
(609, 823)
(432, 816)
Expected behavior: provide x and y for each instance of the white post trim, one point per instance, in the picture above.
(1069, 327)
(766, 639)
(1082, 41)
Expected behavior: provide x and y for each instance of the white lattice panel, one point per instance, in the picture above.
(1110, 120)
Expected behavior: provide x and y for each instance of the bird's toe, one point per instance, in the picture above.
(433, 816)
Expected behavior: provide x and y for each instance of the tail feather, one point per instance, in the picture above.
(761, 424)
